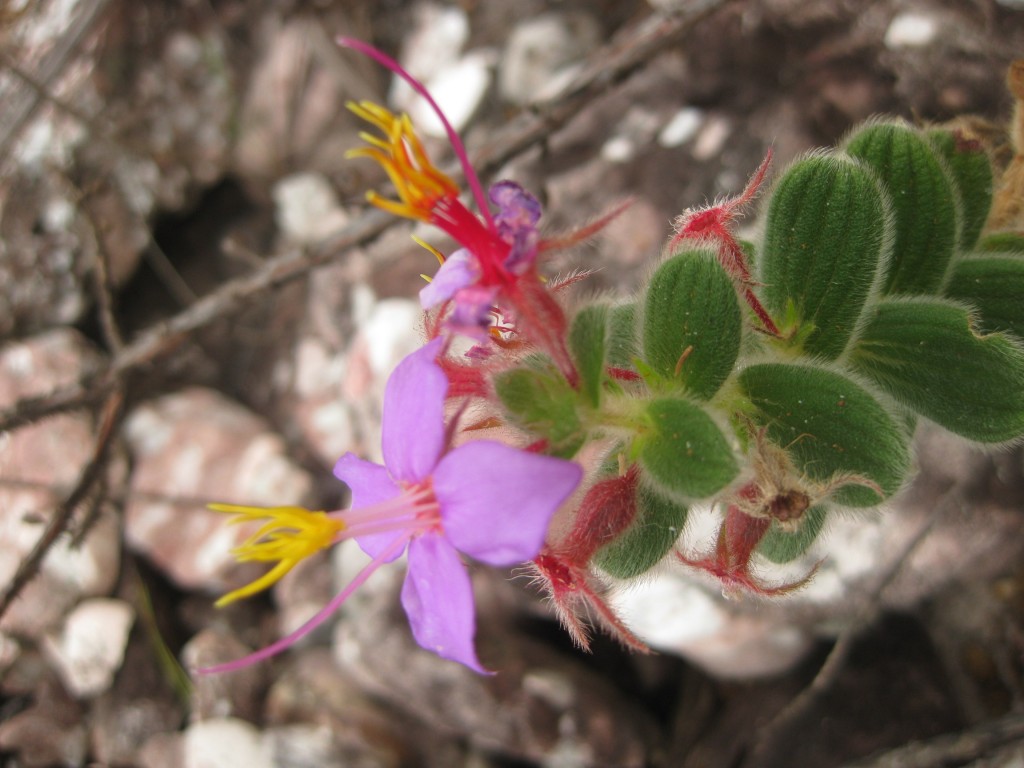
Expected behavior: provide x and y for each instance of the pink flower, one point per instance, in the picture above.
(499, 250)
(484, 499)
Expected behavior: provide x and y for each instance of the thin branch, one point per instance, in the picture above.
(169, 275)
(110, 420)
(768, 739)
(102, 285)
(45, 94)
(607, 67)
(116, 496)
(953, 749)
(20, 106)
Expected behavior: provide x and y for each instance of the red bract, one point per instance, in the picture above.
(738, 538)
(607, 510)
(713, 226)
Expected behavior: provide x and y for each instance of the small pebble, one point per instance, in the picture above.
(307, 208)
(226, 742)
(910, 30)
(711, 138)
(458, 91)
(91, 645)
(682, 127)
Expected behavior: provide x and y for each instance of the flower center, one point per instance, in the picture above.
(412, 512)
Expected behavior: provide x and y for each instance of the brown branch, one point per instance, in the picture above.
(116, 496)
(20, 106)
(952, 749)
(91, 473)
(607, 67)
(102, 285)
(768, 740)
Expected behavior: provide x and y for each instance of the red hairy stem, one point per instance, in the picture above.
(540, 321)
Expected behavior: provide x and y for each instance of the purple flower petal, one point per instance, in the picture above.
(413, 421)
(472, 314)
(516, 222)
(458, 271)
(438, 598)
(371, 485)
(516, 206)
(496, 501)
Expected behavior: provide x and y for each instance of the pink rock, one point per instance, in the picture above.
(39, 463)
(192, 447)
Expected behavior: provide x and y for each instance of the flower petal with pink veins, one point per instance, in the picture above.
(497, 501)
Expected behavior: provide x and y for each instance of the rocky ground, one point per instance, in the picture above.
(197, 305)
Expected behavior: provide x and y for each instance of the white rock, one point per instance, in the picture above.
(391, 332)
(307, 208)
(540, 49)
(90, 648)
(673, 614)
(322, 414)
(711, 138)
(226, 743)
(434, 44)
(458, 90)
(9, 652)
(682, 127)
(637, 128)
(618, 149)
(910, 30)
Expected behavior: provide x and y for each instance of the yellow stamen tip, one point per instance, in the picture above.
(288, 536)
(424, 244)
(418, 184)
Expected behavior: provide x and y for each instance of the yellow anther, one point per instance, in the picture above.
(418, 184)
(289, 536)
(437, 254)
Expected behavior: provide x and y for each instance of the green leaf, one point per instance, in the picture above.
(927, 355)
(1003, 242)
(923, 201)
(622, 342)
(994, 285)
(683, 450)
(657, 526)
(824, 241)
(692, 325)
(830, 426)
(781, 546)
(587, 339)
(541, 401)
(972, 175)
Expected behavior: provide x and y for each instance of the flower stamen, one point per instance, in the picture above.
(418, 183)
(289, 535)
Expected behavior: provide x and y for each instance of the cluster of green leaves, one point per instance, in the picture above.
(892, 306)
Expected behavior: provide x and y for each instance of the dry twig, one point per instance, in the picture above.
(91, 473)
(20, 106)
(953, 749)
(770, 738)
